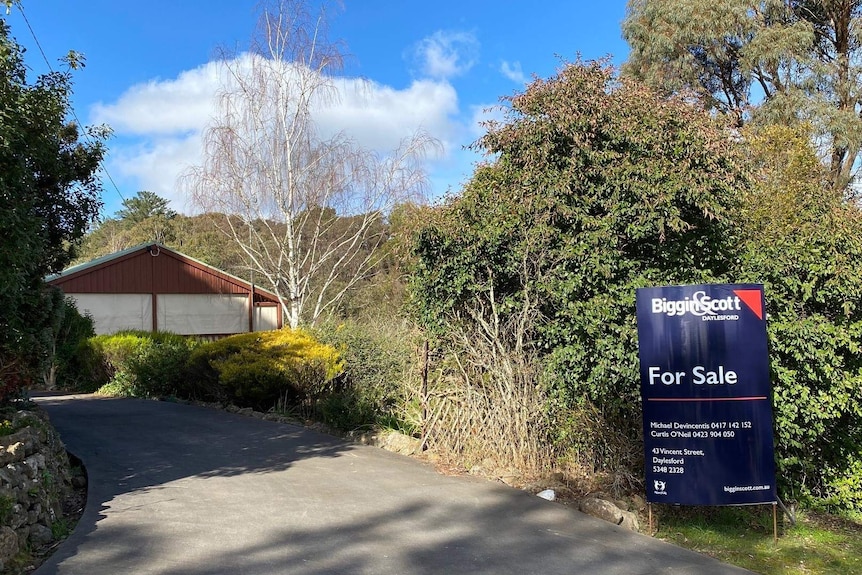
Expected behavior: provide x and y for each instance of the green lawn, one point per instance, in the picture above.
(817, 544)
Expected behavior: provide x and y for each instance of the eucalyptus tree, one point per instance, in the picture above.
(775, 61)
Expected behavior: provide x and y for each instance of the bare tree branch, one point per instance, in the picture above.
(306, 211)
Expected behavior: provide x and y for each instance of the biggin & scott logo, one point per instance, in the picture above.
(709, 308)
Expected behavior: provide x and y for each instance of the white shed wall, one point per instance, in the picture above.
(116, 312)
(265, 318)
(201, 314)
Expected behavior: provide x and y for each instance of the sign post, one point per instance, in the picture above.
(707, 408)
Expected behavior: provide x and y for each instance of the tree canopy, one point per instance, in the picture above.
(49, 194)
(145, 205)
(594, 186)
(775, 61)
(805, 245)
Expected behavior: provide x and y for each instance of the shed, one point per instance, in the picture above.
(152, 287)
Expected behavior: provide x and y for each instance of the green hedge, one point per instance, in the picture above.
(139, 363)
(379, 366)
(255, 370)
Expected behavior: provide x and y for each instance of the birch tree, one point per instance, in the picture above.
(305, 208)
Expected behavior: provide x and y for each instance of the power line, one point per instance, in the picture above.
(20, 6)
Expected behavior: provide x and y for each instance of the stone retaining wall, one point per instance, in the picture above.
(35, 478)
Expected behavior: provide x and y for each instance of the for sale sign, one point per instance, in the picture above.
(706, 395)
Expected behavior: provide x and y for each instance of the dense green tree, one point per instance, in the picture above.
(144, 218)
(804, 243)
(593, 187)
(596, 186)
(145, 205)
(773, 60)
(49, 196)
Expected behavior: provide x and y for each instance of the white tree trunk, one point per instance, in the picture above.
(307, 212)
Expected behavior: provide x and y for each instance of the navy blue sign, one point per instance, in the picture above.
(706, 395)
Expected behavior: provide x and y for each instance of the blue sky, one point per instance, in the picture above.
(436, 65)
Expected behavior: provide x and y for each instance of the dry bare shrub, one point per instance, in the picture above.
(595, 451)
(486, 405)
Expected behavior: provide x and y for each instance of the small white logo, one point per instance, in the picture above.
(659, 487)
(699, 305)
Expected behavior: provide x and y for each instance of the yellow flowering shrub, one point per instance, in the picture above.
(261, 368)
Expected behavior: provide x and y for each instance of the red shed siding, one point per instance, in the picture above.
(154, 270)
(142, 272)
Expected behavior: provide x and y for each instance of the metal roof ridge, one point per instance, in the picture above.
(98, 261)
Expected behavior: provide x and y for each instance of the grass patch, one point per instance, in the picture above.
(61, 528)
(743, 536)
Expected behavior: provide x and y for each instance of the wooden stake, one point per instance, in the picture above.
(775, 520)
(649, 507)
(425, 388)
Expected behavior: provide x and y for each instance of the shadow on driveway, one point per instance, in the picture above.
(178, 489)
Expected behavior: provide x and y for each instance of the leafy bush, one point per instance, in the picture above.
(375, 387)
(115, 351)
(260, 369)
(139, 363)
(595, 186)
(159, 366)
(804, 243)
(91, 369)
(64, 342)
(118, 387)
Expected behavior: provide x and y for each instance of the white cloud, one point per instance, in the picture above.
(164, 106)
(156, 165)
(512, 71)
(446, 54)
(379, 117)
(159, 124)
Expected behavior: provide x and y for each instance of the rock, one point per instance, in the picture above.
(403, 444)
(19, 516)
(26, 440)
(34, 514)
(79, 481)
(608, 511)
(247, 411)
(8, 544)
(40, 535)
(630, 521)
(34, 464)
(512, 479)
(11, 453)
(602, 509)
(35, 476)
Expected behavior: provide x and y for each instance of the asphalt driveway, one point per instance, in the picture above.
(179, 489)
